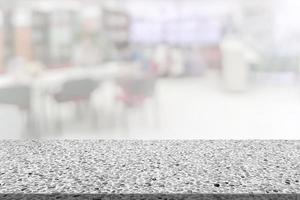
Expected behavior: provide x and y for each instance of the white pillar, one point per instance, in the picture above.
(234, 65)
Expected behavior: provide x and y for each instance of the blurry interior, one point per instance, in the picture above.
(142, 69)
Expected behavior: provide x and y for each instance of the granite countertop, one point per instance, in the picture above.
(150, 167)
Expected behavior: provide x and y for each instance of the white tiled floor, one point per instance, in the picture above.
(198, 108)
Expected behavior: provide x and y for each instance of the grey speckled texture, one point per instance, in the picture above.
(184, 167)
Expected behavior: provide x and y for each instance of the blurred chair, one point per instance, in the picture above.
(135, 91)
(20, 96)
(78, 91)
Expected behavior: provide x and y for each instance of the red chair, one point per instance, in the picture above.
(135, 91)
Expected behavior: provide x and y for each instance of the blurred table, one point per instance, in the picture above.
(51, 79)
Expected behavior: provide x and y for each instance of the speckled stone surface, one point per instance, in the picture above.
(150, 167)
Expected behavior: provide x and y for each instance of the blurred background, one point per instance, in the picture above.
(141, 69)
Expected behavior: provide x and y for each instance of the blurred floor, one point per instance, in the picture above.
(195, 108)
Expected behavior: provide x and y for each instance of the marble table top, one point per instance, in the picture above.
(150, 167)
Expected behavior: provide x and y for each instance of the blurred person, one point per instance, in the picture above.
(136, 54)
(195, 64)
(161, 58)
(149, 65)
(253, 58)
(143, 58)
(178, 62)
(87, 53)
